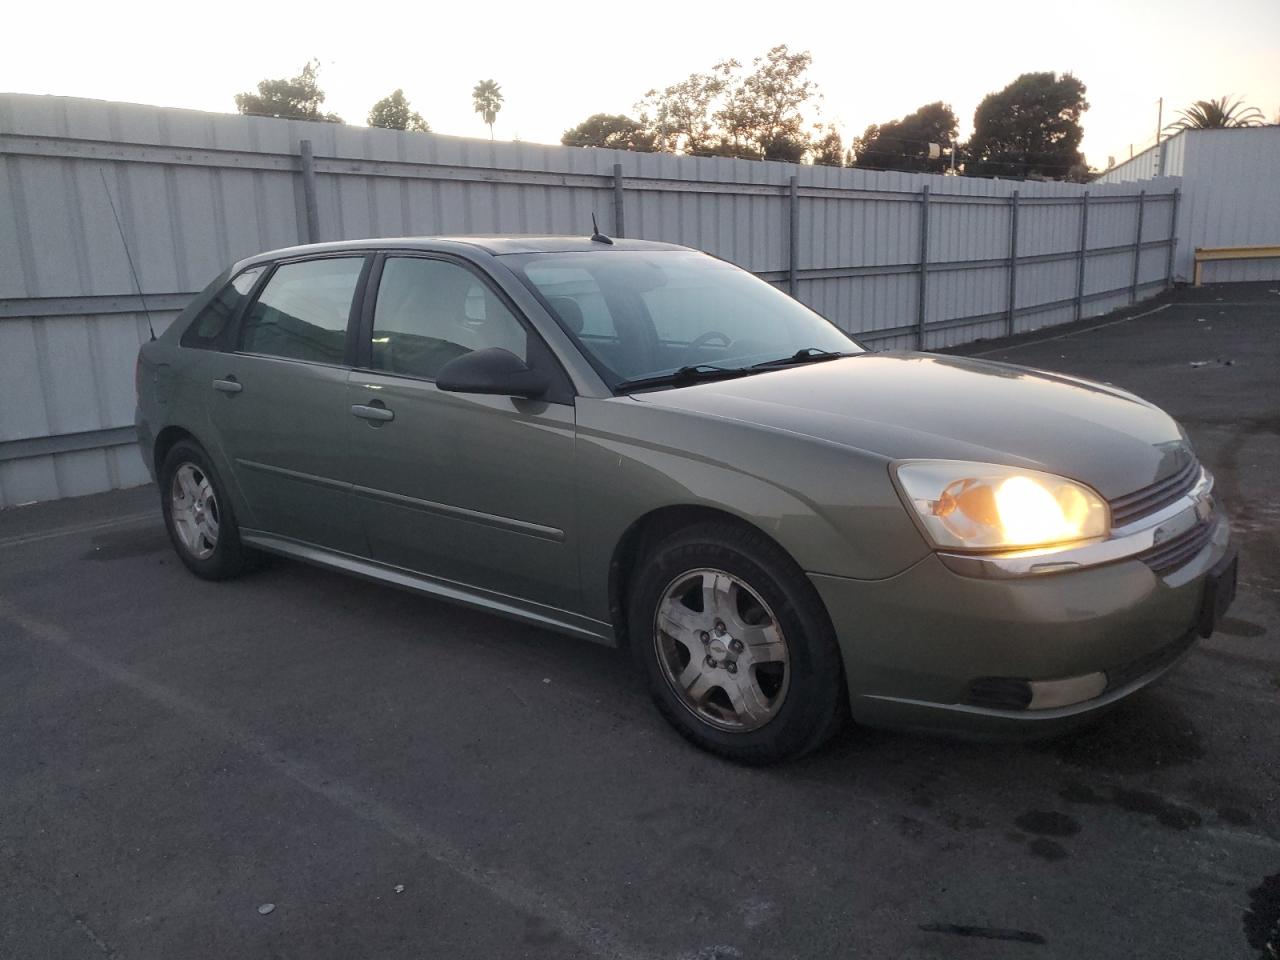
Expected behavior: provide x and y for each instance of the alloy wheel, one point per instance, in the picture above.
(194, 510)
(722, 650)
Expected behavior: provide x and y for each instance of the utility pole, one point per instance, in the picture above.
(1159, 127)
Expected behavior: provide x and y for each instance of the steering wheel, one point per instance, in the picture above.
(706, 338)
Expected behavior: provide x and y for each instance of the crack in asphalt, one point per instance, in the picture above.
(77, 528)
(55, 894)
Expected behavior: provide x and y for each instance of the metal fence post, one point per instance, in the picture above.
(1013, 257)
(310, 205)
(1173, 238)
(1084, 249)
(793, 269)
(1137, 248)
(619, 225)
(924, 265)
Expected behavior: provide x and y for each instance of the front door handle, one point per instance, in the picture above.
(228, 385)
(378, 413)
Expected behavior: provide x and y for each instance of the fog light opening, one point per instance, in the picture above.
(1046, 694)
(1010, 693)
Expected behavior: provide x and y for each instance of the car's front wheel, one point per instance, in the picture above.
(198, 514)
(737, 649)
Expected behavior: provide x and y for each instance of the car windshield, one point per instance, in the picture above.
(643, 314)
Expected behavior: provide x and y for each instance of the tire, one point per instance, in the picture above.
(758, 677)
(198, 514)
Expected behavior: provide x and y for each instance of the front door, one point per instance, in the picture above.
(279, 408)
(471, 489)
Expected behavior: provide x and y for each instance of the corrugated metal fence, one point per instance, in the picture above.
(902, 260)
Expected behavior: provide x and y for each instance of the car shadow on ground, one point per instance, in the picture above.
(1147, 732)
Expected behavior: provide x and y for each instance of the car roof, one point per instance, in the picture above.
(496, 245)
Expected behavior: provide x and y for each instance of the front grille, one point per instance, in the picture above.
(1175, 552)
(1126, 673)
(1157, 496)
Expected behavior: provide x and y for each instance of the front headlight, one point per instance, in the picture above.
(986, 506)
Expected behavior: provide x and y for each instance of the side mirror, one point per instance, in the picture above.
(495, 371)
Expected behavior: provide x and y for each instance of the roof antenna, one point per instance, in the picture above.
(127, 255)
(596, 235)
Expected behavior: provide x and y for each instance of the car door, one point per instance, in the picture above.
(278, 403)
(461, 487)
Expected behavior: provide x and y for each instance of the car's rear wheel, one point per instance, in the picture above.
(735, 645)
(198, 514)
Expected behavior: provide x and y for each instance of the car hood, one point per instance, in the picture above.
(917, 405)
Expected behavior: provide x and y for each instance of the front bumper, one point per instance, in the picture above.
(918, 645)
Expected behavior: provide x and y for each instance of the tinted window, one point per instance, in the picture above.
(430, 311)
(684, 310)
(302, 311)
(641, 313)
(576, 298)
(213, 318)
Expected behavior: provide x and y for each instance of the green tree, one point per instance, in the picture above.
(769, 99)
(678, 118)
(1082, 173)
(612, 130)
(904, 144)
(486, 98)
(394, 113)
(725, 113)
(828, 150)
(1030, 128)
(1217, 115)
(298, 98)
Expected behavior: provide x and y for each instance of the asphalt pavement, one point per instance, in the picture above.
(402, 778)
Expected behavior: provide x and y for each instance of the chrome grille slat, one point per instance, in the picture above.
(1156, 496)
(1174, 553)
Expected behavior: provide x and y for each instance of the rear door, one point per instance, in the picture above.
(462, 487)
(278, 403)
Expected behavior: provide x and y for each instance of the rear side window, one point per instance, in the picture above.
(302, 312)
(208, 325)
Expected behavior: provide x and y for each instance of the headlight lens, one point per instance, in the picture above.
(985, 506)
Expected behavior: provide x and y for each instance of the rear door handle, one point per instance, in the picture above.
(372, 413)
(229, 385)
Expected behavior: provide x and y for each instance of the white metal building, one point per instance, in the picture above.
(1230, 195)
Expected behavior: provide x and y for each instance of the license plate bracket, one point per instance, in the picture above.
(1219, 592)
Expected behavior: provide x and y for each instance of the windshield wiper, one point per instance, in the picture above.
(690, 374)
(803, 355)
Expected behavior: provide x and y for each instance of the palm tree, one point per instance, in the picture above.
(1216, 115)
(487, 99)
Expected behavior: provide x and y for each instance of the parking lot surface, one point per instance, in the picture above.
(403, 778)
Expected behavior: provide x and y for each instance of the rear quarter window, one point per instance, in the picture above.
(209, 323)
(303, 311)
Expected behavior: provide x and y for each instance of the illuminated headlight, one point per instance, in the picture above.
(986, 506)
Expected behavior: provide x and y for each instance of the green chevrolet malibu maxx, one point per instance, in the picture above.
(643, 445)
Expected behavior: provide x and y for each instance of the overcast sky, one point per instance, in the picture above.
(559, 62)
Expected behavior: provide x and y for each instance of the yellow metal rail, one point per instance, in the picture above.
(1257, 252)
